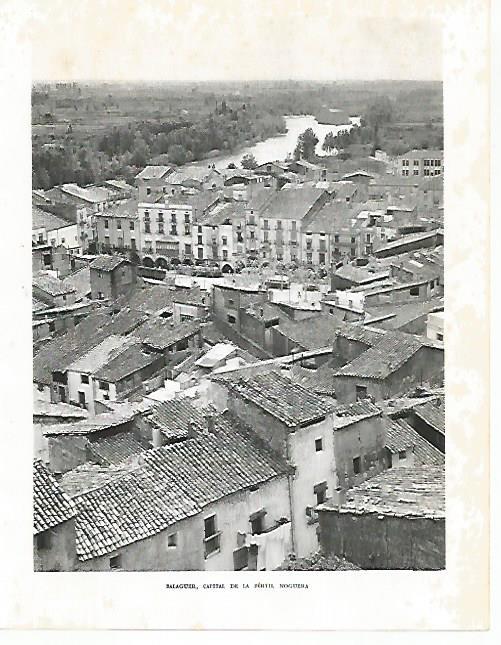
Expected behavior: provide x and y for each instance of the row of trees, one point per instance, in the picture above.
(124, 149)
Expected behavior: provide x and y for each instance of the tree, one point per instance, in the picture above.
(329, 142)
(306, 144)
(379, 112)
(249, 162)
(231, 166)
(177, 154)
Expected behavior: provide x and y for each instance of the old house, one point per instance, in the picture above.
(53, 523)
(428, 420)
(421, 163)
(395, 363)
(152, 180)
(117, 228)
(228, 300)
(111, 276)
(214, 500)
(298, 425)
(51, 290)
(395, 520)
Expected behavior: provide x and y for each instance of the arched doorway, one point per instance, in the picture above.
(162, 263)
(148, 262)
(227, 268)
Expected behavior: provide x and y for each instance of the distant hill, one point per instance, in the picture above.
(326, 117)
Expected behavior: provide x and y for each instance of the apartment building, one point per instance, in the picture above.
(421, 163)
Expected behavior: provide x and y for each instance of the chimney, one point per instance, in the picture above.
(156, 437)
(339, 497)
(191, 430)
(210, 422)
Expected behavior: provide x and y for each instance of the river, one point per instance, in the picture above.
(277, 148)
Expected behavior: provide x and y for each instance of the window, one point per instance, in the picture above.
(52, 326)
(279, 223)
(187, 249)
(200, 240)
(320, 490)
(336, 238)
(106, 224)
(211, 536)
(147, 227)
(84, 378)
(252, 235)
(353, 240)
(160, 227)
(361, 392)
(146, 216)
(405, 162)
(405, 173)
(416, 162)
(104, 386)
(173, 230)
(440, 336)
(187, 230)
(81, 399)
(119, 226)
(116, 563)
(131, 226)
(160, 217)
(231, 319)
(133, 243)
(321, 258)
(44, 540)
(356, 465)
(309, 258)
(225, 254)
(402, 454)
(416, 172)
(414, 291)
(265, 236)
(172, 540)
(318, 445)
(173, 218)
(293, 225)
(252, 220)
(187, 218)
(265, 223)
(257, 521)
(148, 191)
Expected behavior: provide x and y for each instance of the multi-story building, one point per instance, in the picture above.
(117, 229)
(166, 227)
(421, 163)
(219, 236)
(281, 222)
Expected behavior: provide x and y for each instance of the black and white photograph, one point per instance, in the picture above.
(239, 293)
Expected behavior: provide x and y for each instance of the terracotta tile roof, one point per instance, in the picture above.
(319, 381)
(51, 285)
(400, 492)
(153, 172)
(292, 204)
(90, 476)
(48, 221)
(149, 299)
(126, 362)
(346, 415)
(116, 448)
(120, 415)
(432, 414)
(100, 355)
(174, 417)
(359, 333)
(92, 194)
(126, 209)
(383, 359)
(108, 262)
(173, 483)
(51, 505)
(126, 510)
(218, 463)
(400, 435)
(288, 402)
(162, 334)
(60, 410)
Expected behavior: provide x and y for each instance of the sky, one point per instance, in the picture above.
(235, 40)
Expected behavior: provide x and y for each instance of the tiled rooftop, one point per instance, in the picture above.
(153, 172)
(51, 285)
(116, 448)
(432, 414)
(59, 410)
(173, 483)
(48, 221)
(400, 492)
(400, 435)
(51, 505)
(108, 262)
(383, 359)
(346, 415)
(99, 355)
(162, 334)
(288, 402)
(173, 418)
(292, 204)
(132, 359)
